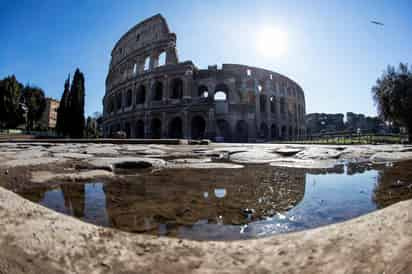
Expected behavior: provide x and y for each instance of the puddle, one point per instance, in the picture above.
(227, 204)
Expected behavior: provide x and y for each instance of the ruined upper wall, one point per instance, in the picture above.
(146, 39)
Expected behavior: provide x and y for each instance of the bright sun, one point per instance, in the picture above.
(272, 42)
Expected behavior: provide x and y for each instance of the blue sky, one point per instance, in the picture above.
(333, 51)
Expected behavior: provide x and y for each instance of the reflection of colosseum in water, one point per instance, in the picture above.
(150, 94)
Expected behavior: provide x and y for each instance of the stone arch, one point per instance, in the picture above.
(176, 89)
(139, 129)
(272, 104)
(129, 98)
(274, 131)
(203, 91)
(146, 65)
(241, 131)
(162, 58)
(157, 91)
(198, 127)
(156, 128)
(141, 95)
(221, 93)
(223, 130)
(263, 131)
(176, 128)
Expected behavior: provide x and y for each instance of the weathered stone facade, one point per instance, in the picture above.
(150, 94)
(49, 117)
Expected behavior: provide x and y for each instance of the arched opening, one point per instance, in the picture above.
(119, 101)
(162, 59)
(262, 103)
(146, 63)
(134, 69)
(176, 128)
(242, 133)
(198, 127)
(220, 96)
(221, 93)
(156, 128)
(274, 131)
(283, 133)
(177, 89)
(157, 91)
(223, 132)
(128, 98)
(272, 104)
(141, 95)
(127, 129)
(264, 131)
(203, 91)
(139, 129)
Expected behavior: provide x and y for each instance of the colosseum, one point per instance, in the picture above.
(151, 94)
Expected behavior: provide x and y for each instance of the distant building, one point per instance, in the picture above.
(324, 122)
(49, 116)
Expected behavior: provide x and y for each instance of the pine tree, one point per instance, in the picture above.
(10, 110)
(62, 117)
(76, 106)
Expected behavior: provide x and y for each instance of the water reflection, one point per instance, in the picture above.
(230, 204)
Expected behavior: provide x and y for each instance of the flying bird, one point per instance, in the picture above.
(378, 23)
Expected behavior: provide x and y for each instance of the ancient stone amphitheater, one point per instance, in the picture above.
(151, 94)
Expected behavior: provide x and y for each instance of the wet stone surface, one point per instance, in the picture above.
(228, 204)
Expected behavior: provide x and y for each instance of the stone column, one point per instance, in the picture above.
(185, 125)
(187, 87)
(148, 87)
(171, 56)
(166, 86)
(164, 133)
(147, 126)
(211, 125)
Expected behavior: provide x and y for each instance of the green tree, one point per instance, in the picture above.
(76, 105)
(393, 96)
(62, 117)
(35, 102)
(11, 113)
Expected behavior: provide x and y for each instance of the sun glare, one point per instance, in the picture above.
(272, 42)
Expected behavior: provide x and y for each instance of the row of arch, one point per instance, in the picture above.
(264, 132)
(117, 101)
(198, 130)
(175, 128)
